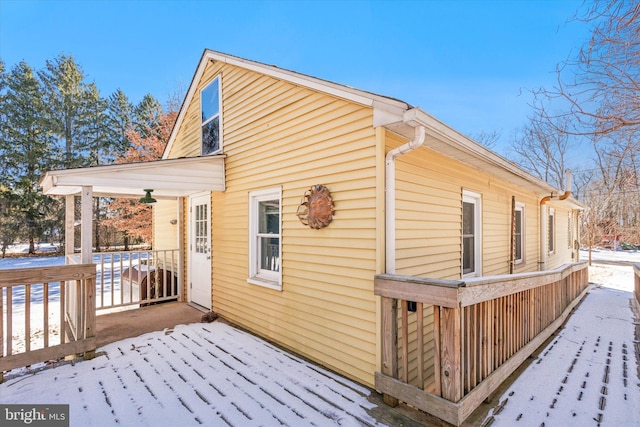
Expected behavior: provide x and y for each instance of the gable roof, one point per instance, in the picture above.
(395, 115)
(383, 105)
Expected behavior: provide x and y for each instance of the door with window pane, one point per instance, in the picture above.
(200, 250)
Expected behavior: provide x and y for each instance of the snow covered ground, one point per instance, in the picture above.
(216, 375)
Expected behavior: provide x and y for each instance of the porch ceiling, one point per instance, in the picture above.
(168, 178)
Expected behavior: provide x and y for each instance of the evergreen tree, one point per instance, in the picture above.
(27, 149)
(120, 116)
(97, 144)
(66, 94)
(147, 116)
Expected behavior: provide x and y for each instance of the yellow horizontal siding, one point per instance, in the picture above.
(276, 134)
(428, 217)
(165, 234)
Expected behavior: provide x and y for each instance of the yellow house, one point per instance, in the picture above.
(410, 197)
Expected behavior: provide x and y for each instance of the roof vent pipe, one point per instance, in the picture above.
(390, 195)
(567, 189)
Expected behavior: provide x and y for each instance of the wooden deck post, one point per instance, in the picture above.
(90, 314)
(451, 370)
(390, 343)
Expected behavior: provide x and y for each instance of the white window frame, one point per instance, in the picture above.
(476, 200)
(258, 276)
(551, 231)
(570, 230)
(215, 81)
(520, 208)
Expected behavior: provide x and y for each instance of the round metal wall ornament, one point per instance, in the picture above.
(316, 209)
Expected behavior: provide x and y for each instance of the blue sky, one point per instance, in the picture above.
(468, 63)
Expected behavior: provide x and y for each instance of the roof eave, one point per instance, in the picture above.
(448, 141)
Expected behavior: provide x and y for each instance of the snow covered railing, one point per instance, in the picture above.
(33, 307)
(447, 345)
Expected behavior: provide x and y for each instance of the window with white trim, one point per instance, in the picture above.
(569, 231)
(551, 228)
(519, 234)
(265, 243)
(210, 107)
(471, 234)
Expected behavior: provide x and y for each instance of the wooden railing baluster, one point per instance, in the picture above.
(483, 328)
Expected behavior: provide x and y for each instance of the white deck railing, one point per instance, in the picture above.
(134, 278)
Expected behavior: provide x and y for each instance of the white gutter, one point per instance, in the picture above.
(390, 195)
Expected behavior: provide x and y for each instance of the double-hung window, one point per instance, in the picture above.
(570, 230)
(551, 228)
(518, 234)
(265, 242)
(210, 107)
(471, 234)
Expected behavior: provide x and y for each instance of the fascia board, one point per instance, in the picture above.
(341, 91)
(453, 138)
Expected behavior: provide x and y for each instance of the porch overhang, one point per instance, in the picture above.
(168, 178)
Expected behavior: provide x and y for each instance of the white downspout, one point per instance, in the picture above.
(390, 195)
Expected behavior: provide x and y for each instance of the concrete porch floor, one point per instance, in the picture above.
(117, 326)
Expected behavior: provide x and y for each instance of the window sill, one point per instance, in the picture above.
(259, 281)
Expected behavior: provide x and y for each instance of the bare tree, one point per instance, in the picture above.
(489, 139)
(597, 95)
(542, 150)
(598, 89)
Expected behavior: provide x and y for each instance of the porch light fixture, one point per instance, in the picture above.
(147, 197)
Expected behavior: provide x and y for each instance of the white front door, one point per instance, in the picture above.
(200, 250)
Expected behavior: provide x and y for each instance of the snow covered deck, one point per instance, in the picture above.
(211, 374)
(589, 373)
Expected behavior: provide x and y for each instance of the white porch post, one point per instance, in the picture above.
(69, 231)
(86, 226)
(181, 254)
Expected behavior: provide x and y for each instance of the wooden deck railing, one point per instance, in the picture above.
(23, 290)
(447, 345)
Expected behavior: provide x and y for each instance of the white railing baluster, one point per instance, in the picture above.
(149, 273)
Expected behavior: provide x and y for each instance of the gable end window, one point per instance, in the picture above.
(471, 234)
(210, 107)
(265, 243)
